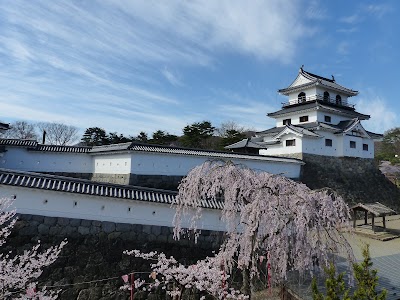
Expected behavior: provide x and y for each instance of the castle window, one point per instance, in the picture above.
(328, 142)
(338, 100)
(301, 97)
(328, 119)
(290, 143)
(287, 121)
(365, 147)
(326, 96)
(304, 119)
(352, 144)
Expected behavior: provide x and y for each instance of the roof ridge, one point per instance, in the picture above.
(316, 76)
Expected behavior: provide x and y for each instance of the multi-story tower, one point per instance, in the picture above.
(317, 119)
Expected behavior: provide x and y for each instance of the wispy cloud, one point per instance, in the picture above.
(378, 10)
(171, 77)
(382, 116)
(352, 19)
(343, 48)
(100, 63)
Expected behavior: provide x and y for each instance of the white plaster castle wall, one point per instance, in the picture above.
(282, 149)
(317, 145)
(358, 151)
(112, 163)
(295, 118)
(293, 98)
(16, 158)
(332, 94)
(335, 119)
(169, 164)
(69, 205)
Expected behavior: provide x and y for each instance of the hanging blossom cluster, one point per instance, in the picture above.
(266, 215)
(18, 272)
(206, 275)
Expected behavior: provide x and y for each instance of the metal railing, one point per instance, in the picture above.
(318, 97)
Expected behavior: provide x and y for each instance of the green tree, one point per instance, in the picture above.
(334, 284)
(115, 138)
(231, 136)
(366, 279)
(161, 137)
(390, 146)
(94, 136)
(142, 137)
(366, 282)
(196, 134)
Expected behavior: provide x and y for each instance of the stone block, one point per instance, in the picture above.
(54, 230)
(28, 231)
(108, 227)
(63, 221)
(83, 230)
(86, 223)
(51, 221)
(146, 229)
(129, 236)
(122, 227)
(156, 230)
(38, 218)
(137, 227)
(43, 229)
(75, 222)
(94, 230)
(96, 223)
(114, 235)
(67, 230)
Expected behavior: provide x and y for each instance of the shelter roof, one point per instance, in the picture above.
(306, 79)
(377, 209)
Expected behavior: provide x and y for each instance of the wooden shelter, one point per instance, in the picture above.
(375, 209)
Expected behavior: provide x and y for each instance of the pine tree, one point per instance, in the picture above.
(366, 282)
(366, 279)
(335, 287)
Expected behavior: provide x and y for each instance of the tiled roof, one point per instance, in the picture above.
(187, 151)
(33, 145)
(87, 187)
(311, 105)
(56, 148)
(18, 142)
(302, 130)
(317, 80)
(244, 143)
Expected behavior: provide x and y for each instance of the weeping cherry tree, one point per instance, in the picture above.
(267, 217)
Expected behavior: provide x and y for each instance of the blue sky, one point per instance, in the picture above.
(131, 66)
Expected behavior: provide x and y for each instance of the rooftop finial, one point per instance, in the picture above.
(301, 68)
(333, 78)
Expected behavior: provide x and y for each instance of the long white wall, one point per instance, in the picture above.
(140, 163)
(69, 205)
(112, 163)
(169, 164)
(16, 158)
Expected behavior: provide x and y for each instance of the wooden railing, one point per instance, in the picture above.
(319, 98)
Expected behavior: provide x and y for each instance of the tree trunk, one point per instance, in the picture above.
(246, 287)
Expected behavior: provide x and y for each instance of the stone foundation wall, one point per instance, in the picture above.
(355, 179)
(95, 251)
